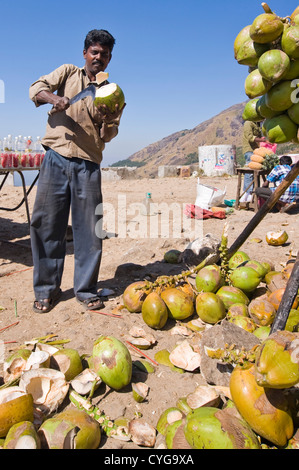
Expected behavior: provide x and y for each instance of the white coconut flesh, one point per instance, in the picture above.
(11, 393)
(36, 358)
(106, 90)
(48, 387)
(26, 442)
(84, 382)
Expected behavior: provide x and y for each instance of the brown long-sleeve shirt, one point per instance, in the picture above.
(251, 130)
(74, 132)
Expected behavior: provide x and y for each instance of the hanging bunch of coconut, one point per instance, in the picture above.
(269, 46)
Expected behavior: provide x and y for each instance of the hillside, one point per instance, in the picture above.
(224, 128)
(181, 148)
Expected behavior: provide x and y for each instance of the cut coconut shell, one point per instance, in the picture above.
(203, 395)
(84, 382)
(71, 429)
(277, 238)
(169, 416)
(142, 433)
(140, 338)
(48, 388)
(22, 436)
(140, 391)
(15, 365)
(68, 361)
(184, 357)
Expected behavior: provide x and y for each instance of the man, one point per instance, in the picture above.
(70, 176)
(252, 136)
(291, 195)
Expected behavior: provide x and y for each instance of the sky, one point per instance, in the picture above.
(173, 59)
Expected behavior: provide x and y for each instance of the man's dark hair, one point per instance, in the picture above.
(285, 160)
(100, 36)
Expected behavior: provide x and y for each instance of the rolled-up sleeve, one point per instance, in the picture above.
(50, 82)
(248, 132)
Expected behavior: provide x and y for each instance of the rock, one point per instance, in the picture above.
(197, 250)
(213, 371)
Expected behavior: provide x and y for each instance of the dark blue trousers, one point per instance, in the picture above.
(66, 184)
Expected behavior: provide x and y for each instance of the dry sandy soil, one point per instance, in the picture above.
(130, 256)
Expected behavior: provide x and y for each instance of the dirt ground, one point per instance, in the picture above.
(133, 250)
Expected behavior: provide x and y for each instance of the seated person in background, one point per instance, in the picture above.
(291, 195)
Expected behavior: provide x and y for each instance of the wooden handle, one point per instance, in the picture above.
(290, 294)
(275, 196)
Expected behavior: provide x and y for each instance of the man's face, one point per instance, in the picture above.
(97, 58)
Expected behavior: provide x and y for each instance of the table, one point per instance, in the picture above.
(257, 175)
(26, 192)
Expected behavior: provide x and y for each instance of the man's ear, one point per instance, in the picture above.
(84, 53)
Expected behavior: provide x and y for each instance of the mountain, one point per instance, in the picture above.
(223, 129)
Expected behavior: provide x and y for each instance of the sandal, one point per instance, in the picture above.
(46, 304)
(96, 303)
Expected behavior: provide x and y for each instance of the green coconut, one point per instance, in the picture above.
(237, 310)
(276, 364)
(294, 15)
(273, 65)
(264, 110)
(172, 256)
(279, 98)
(245, 278)
(260, 269)
(134, 295)
(179, 304)
(209, 279)
(251, 112)
(280, 129)
(213, 428)
(293, 71)
(210, 308)
(241, 37)
(22, 436)
(70, 429)
(112, 362)
(245, 323)
(250, 52)
(290, 41)
(293, 321)
(231, 295)
(256, 85)
(110, 95)
(262, 332)
(266, 28)
(67, 361)
(154, 311)
(261, 311)
(238, 258)
(15, 410)
(293, 113)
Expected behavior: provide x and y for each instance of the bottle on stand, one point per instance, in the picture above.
(148, 205)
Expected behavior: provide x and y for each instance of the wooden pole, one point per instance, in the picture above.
(290, 294)
(263, 211)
